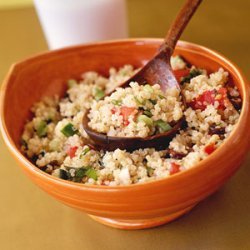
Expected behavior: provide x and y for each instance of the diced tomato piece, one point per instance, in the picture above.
(127, 111)
(113, 111)
(175, 168)
(71, 152)
(209, 97)
(222, 98)
(210, 148)
(179, 73)
(126, 122)
(223, 92)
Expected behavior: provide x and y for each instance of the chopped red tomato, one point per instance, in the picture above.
(209, 97)
(222, 98)
(126, 112)
(180, 73)
(126, 122)
(210, 148)
(71, 151)
(113, 111)
(175, 168)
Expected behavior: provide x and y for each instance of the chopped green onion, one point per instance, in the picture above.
(149, 88)
(91, 173)
(85, 171)
(69, 130)
(85, 151)
(79, 174)
(41, 129)
(163, 126)
(153, 101)
(71, 83)
(147, 113)
(193, 73)
(150, 171)
(139, 102)
(147, 120)
(117, 102)
(99, 94)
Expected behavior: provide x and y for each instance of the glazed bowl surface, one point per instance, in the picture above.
(138, 205)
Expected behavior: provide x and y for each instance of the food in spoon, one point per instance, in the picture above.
(56, 142)
(138, 110)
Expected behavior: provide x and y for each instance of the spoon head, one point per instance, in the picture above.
(110, 143)
(156, 71)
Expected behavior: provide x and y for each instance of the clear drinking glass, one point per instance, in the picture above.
(71, 22)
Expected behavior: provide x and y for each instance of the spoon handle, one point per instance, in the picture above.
(179, 24)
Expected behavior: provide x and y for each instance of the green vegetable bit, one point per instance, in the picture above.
(41, 129)
(79, 174)
(83, 172)
(69, 130)
(91, 173)
(24, 143)
(149, 88)
(71, 83)
(117, 102)
(138, 101)
(153, 101)
(147, 113)
(150, 171)
(163, 126)
(85, 151)
(147, 120)
(99, 94)
(193, 73)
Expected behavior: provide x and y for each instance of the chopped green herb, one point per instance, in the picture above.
(91, 173)
(117, 102)
(85, 171)
(41, 128)
(163, 126)
(42, 153)
(24, 143)
(71, 83)
(147, 113)
(161, 97)
(147, 120)
(150, 171)
(193, 73)
(79, 174)
(69, 130)
(98, 94)
(63, 174)
(153, 101)
(139, 102)
(85, 151)
(149, 88)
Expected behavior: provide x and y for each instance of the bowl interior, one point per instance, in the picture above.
(46, 74)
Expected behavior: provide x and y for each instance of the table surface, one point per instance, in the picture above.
(30, 219)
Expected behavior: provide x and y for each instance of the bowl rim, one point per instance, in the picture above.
(184, 45)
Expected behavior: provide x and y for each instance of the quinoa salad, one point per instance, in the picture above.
(138, 110)
(55, 141)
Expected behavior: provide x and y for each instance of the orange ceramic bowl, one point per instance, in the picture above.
(139, 205)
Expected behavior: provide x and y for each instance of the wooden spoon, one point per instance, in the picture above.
(156, 71)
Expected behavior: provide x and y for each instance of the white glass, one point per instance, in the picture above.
(71, 22)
